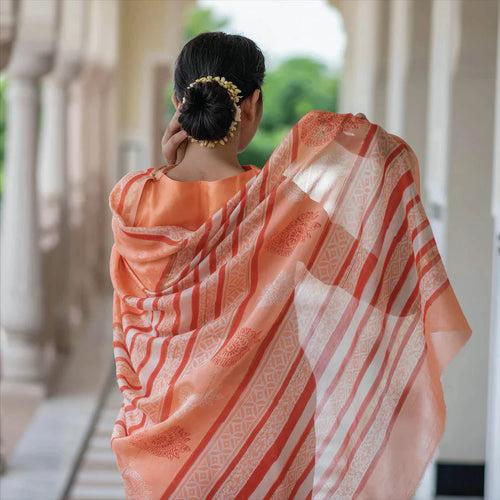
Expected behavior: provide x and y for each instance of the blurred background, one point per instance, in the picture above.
(84, 98)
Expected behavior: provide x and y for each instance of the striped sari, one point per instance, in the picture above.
(292, 346)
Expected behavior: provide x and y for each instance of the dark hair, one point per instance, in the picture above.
(208, 110)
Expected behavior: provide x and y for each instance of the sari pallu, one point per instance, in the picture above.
(292, 345)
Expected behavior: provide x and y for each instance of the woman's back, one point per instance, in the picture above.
(187, 203)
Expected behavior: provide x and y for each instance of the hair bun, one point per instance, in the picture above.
(207, 111)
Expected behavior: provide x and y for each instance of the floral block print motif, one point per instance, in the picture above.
(236, 347)
(170, 444)
(297, 231)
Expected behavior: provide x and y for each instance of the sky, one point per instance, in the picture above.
(282, 28)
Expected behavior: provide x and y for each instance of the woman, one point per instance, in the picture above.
(278, 333)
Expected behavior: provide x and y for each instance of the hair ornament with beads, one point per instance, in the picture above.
(234, 92)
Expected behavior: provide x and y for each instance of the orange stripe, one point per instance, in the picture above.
(126, 189)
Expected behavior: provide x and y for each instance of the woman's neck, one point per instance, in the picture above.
(203, 163)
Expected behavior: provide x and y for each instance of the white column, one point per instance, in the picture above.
(94, 79)
(408, 69)
(457, 180)
(22, 301)
(364, 73)
(7, 30)
(53, 189)
(381, 40)
(112, 167)
(492, 469)
(77, 154)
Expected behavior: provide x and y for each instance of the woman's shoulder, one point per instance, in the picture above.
(131, 177)
(126, 185)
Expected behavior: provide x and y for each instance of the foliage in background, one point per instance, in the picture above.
(291, 89)
(201, 19)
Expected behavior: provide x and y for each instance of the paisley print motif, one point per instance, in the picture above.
(237, 347)
(170, 444)
(326, 126)
(299, 230)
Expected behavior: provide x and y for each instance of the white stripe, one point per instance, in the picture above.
(342, 349)
(154, 357)
(185, 309)
(148, 303)
(216, 223)
(423, 237)
(323, 179)
(132, 331)
(306, 485)
(120, 351)
(204, 268)
(233, 217)
(367, 383)
(274, 471)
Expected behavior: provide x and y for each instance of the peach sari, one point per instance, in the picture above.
(292, 345)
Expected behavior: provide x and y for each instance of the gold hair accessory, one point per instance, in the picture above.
(233, 93)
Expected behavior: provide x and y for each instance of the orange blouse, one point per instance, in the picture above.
(187, 203)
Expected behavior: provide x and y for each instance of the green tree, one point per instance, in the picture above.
(201, 19)
(297, 85)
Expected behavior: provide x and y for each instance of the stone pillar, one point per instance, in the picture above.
(94, 83)
(105, 171)
(492, 472)
(364, 75)
(53, 187)
(457, 179)
(22, 301)
(408, 69)
(159, 74)
(7, 30)
(112, 166)
(78, 297)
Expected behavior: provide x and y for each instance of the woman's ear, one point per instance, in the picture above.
(175, 101)
(250, 106)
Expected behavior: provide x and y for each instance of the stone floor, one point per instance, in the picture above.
(97, 477)
(18, 403)
(45, 438)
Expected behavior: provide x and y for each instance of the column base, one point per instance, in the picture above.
(23, 359)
